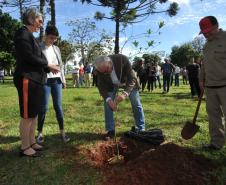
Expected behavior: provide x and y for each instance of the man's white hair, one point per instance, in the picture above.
(101, 60)
(29, 15)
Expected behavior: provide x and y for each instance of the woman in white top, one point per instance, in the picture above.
(54, 84)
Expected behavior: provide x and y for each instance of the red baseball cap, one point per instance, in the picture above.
(207, 24)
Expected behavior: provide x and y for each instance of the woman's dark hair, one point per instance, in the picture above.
(52, 30)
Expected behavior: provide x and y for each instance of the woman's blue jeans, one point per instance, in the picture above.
(137, 108)
(53, 86)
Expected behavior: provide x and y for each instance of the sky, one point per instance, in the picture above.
(177, 29)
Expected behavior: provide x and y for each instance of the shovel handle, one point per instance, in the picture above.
(198, 106)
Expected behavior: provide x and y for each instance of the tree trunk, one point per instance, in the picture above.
(42, 5)
(83, 53)
(117, 26)
(53, 12)
(21, 9)
(117, 37)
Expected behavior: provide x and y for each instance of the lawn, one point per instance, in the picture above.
(66, 164)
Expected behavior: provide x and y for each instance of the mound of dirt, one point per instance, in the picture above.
(167, 164)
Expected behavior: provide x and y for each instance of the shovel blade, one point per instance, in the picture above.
(189, 130)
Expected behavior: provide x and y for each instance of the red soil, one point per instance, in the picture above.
(167, 164)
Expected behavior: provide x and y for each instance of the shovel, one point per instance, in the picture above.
(190, 128)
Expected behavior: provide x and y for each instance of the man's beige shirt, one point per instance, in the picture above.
(213, 70)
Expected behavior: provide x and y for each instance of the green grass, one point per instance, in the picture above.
(63, 164)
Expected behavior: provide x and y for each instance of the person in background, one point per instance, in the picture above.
(2, 75)
(172, 76)
(139, 68)
(88, 74)
(29, 77)
(213, 80)
(75, 75)
(158, 74)
(114, 72)
(151, 72)
(81, 75)
(54, 84)
(94, 77)
(193, 77)
(167, 70)
(177, 75)
(185, 76)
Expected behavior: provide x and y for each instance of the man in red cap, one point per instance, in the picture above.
(213, 79)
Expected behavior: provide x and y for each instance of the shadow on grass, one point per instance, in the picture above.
(146, 94)
(75, 137)
(163, 114)
(166, 125)
(79, 98)
(178, 95)
(52, 141)
(8, 139)
(58, 161)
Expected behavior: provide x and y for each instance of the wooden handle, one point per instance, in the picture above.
(198, 106)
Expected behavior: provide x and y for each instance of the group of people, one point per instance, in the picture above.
(150, 74)
(39, 73)
(82, 75)
(189, 73)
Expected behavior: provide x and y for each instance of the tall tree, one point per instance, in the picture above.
(52, 11)
(7, 61)
(152, 57)
(42, 6)
(20, 4)
(198, 43)
(7, 32)
(136, 40)
(87, 38)
(66, 48)
(101, 46)
(181, 55)
(129, 11)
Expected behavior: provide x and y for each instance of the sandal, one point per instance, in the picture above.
(22, 154)
(37, 149)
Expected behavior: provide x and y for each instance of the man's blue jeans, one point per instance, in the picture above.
(137, 108)
(53, 86)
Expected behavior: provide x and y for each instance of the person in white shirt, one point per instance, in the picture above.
(54, 84)
(177, 75)
(75, 75)
(158, 74)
